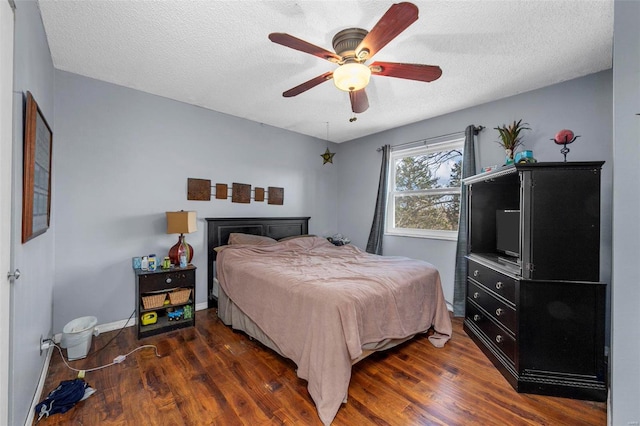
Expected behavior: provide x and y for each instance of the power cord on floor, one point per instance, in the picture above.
(116, 360)
(114, 337)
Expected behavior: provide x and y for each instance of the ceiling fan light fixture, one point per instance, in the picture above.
(351, 76)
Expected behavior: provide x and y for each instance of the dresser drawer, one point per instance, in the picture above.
(498, 337)
(501, 284)
(500, 311)
(156, 282)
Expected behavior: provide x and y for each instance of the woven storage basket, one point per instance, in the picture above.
(154, 300)
(179, 296)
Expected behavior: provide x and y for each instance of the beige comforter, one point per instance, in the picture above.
(320, 304)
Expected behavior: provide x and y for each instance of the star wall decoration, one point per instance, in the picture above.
(328, 156)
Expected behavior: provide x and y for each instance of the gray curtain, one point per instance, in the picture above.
(374, 245)
(468, 169)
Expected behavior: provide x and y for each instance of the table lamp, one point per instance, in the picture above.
(181, 222)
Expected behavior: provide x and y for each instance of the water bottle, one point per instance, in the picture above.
(182, 253)
(152, 262)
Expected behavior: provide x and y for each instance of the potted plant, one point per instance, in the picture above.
(510, 137)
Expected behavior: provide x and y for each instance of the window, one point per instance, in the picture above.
(424, 190)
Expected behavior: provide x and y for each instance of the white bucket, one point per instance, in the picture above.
(76, 337)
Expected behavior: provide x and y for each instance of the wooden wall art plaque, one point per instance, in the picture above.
(222, 191)
(202, 190)
(276, 195)
(198, 189)
(241, 193)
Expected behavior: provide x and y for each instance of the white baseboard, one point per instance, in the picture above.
(202, 306)
(117, 325)
(38, 394)
(101, 328)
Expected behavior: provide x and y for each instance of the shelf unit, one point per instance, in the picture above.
(163, 281)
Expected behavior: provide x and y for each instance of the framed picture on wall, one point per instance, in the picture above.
(36, 177)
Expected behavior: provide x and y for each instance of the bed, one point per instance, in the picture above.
(322, 306)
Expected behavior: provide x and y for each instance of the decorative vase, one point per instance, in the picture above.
(508, 157)
(180, 248)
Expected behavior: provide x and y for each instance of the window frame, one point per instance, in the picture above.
(456, 143)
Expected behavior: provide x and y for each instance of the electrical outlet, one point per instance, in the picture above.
(44, 345)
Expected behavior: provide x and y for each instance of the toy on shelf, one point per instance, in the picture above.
(176, 315)
(149, 318)
(188, 312)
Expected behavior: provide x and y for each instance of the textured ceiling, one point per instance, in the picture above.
(216, 54)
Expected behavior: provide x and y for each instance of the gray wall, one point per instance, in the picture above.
(122, 160)
(32, 294)
(583, 105)
(625, 348)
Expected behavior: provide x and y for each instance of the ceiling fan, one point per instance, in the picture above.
(354, 47)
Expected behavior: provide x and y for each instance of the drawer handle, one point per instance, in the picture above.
(499, 285)
(476, 295)
(499, 311)
(476, 317)
(476, 273)
(499, 339)
(168, 280)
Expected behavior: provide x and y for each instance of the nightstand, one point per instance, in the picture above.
(165, 300)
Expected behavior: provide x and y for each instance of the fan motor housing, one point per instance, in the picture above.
(346, 41)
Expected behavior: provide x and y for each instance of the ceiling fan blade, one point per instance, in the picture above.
(303, 46)
(308, 85)
(359, 101)
(409, 71)
(393, 22)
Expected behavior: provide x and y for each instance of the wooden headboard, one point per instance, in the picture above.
(218, 230)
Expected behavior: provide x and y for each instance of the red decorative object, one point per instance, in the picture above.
(180, 247)
(565, 137)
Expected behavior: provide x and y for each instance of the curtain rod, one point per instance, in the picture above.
(476, 130)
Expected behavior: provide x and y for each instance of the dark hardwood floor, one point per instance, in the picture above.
(211, 375)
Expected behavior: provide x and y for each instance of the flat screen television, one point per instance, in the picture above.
(508, 232)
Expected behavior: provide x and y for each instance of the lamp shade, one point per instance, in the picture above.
(181, 222)
(351, 76)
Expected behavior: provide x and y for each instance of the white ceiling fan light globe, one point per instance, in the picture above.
(351, 76)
